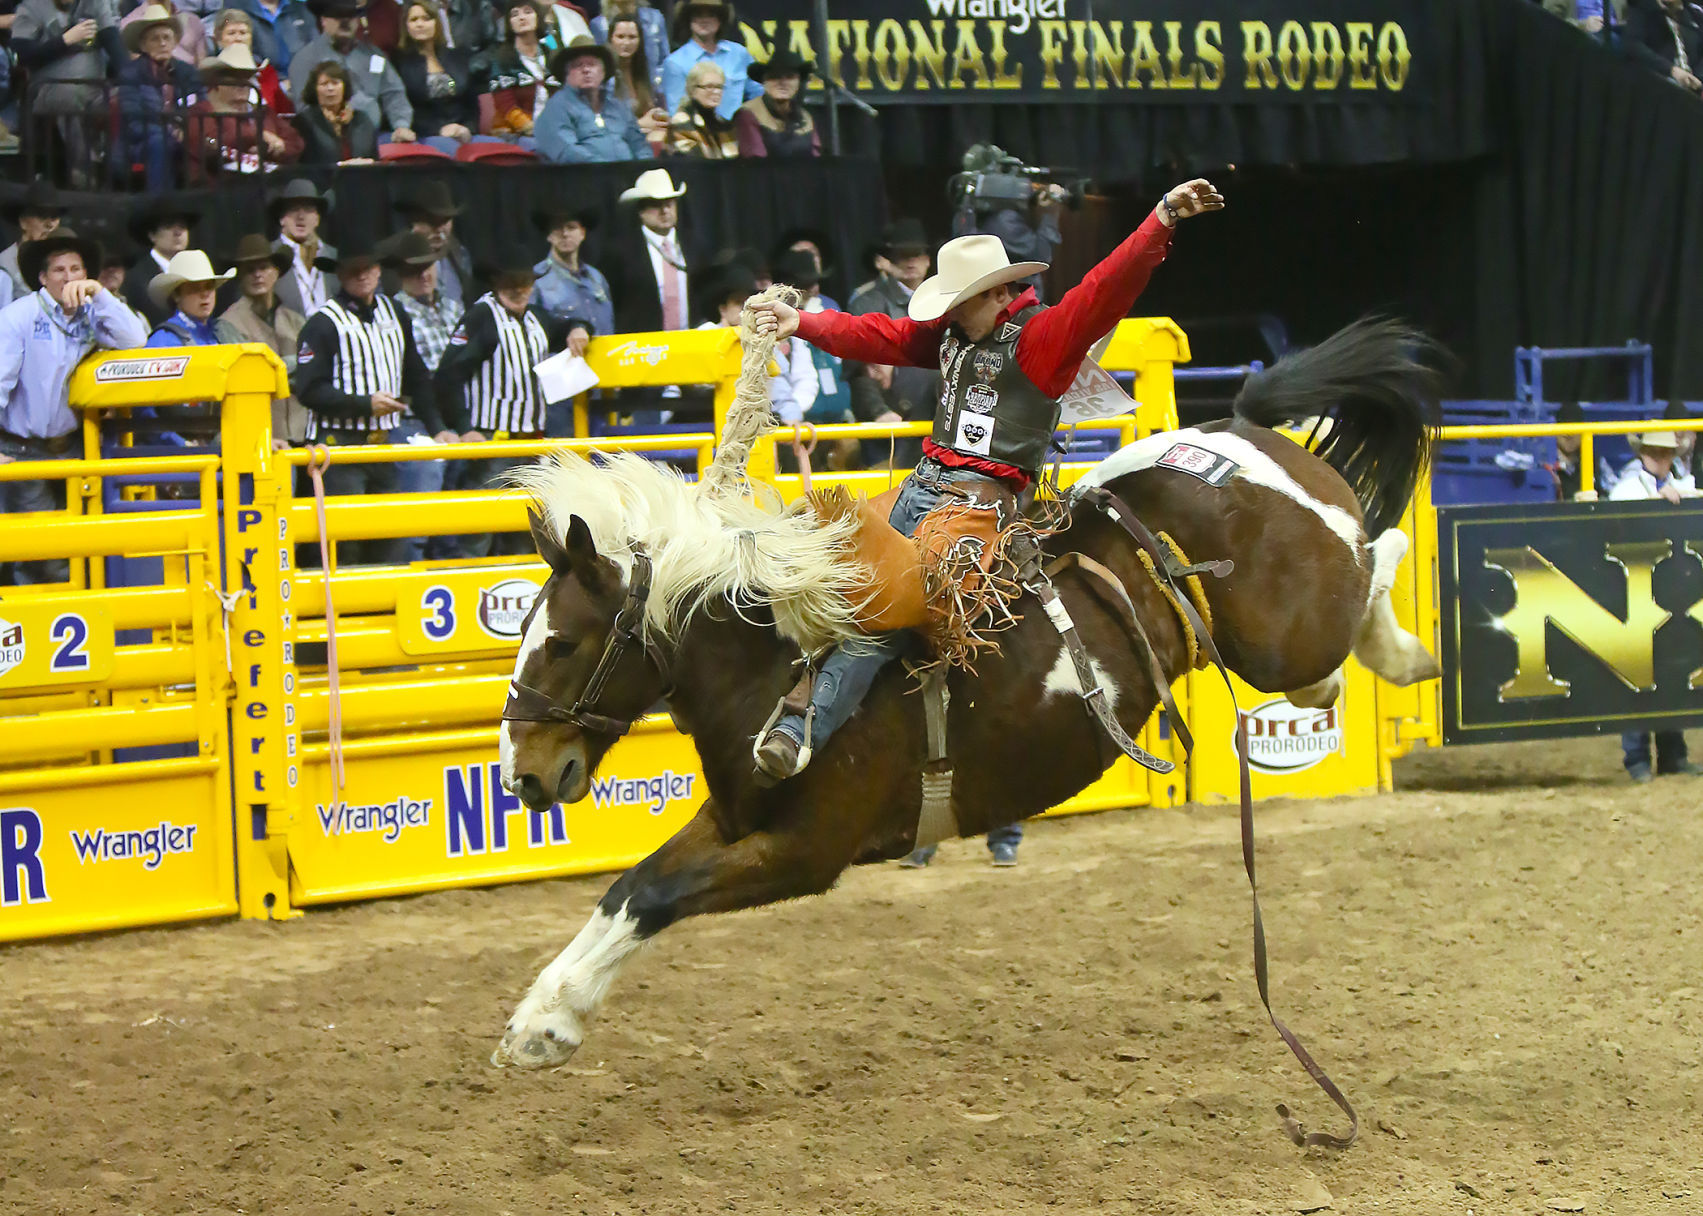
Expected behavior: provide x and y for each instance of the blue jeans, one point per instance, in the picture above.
(1670, 750)
(848, 672)
(18, 496)
(415, 477)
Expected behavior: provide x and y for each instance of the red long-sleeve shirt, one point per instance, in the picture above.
(1049, 351)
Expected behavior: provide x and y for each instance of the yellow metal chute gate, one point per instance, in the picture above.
(232, 670)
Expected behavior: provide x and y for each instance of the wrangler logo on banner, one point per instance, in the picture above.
(1570, 619)
(1176, 51)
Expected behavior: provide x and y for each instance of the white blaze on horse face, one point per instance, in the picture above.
(549, 1024)
(536, 633)
(1063, 678)
(1256, 467)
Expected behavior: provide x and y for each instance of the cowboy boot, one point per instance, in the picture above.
(780, 753)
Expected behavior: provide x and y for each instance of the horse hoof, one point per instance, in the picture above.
(539, 1039)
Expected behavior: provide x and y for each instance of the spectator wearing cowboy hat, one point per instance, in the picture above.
(375, 88)
(359, 373)
(584, 122)
(43, 336)
(488, 371)
(186, 291)
(192, 33)
(431, 212)
(153, 88)
(413, 262)
(566, 286)
(777, 124)
(880, 392)
(162, 227)
(793, 390)
(280, 30)
(1652, 475)
(704, 29)
(234, 27)
(226, 133)
(522, 74)
(696, 129)
(259, 316)
(650, 269)
(35, 214)
(298, 213)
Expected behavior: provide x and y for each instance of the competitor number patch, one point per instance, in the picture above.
(1209, 466)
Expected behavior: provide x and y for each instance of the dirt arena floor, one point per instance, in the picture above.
(1500, 964)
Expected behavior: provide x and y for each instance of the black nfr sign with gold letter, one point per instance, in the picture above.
(1570, 619)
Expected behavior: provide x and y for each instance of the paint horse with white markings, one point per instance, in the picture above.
(658, 591)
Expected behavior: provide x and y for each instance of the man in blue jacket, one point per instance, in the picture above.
(43, 337)
(584, 122)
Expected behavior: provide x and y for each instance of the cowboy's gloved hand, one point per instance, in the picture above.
(1189, 199)
(774, 318)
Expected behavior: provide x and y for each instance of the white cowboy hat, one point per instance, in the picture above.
(235, 60)
(1659, 439)
(968, 265)
(147, 19)
(653, 186)
(190, 266)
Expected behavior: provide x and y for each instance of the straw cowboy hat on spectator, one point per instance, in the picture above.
(653, 186)
(190, 266)
(153, 15)
(234, 65)
(967, 267)
(1661, 441)
(254, 249)
(33, 256)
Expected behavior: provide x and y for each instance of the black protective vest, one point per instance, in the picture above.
(988, 407)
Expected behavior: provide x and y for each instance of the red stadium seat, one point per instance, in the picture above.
(387, 152)
(494, 154)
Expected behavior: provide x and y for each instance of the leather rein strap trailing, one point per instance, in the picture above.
(1165, 565)
(529, 704)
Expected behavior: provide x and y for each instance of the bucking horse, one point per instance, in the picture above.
(658, 591)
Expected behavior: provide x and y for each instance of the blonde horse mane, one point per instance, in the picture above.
(705, 545)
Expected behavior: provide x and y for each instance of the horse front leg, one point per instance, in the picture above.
(693, 873)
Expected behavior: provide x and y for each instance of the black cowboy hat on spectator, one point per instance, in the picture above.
(297, 191)
(430, 201)
(156, 213)
(785, 62)
(254, 249)
(797, 268)
(337, 8)
(507, 272)
(904, 238)
(406, 251)
(33, 257)
(733, 279)
(39, 198)
(356, 256)
(579, 48)
(747, 258)
(1677, 411)
(1569, 411)
(549, 218)
(680, 26)
(824, 245)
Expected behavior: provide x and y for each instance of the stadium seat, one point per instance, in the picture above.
(400, 152)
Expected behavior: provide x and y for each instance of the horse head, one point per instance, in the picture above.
(586, 670)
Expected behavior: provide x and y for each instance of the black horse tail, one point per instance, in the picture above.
(1376, 383)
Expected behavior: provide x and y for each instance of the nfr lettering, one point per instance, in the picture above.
(22, 876)
(477, 810)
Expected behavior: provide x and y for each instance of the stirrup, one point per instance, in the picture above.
(804, 749)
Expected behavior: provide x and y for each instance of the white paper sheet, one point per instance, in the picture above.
(563, 375)
(1093, 394)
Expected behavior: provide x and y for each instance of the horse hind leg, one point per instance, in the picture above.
(1318, 696)
(1381, 644)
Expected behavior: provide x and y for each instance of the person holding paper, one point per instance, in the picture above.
(488, 368)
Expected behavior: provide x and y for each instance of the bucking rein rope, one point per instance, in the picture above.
(1165, 569)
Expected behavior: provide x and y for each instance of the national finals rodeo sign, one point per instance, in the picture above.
(1153, 51)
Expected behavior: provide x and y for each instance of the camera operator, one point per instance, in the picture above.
(998, 195)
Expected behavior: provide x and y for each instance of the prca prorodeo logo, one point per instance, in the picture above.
(1284, 738)
(503, 607)
(11, 645)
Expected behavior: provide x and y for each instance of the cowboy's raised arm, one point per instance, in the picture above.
(870, 337)
(1053, 345)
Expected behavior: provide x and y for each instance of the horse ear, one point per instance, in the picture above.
(549, 548)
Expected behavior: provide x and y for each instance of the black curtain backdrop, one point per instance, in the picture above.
(727, 204)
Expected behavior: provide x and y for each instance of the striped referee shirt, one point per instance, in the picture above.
(489, 363)
(349, 351)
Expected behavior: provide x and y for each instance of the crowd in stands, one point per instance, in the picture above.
(172, 92)
(1665, 36)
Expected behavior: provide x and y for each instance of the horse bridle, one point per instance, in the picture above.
(528, 704)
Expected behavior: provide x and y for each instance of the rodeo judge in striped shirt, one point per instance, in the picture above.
(487, 371)
(359, 374)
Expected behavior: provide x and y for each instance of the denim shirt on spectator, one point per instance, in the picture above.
(733, 60)
(569, 131)
(583, 295)
(278, 37)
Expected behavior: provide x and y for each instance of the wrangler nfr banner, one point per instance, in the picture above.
(1146, 51)
(1570, 619)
